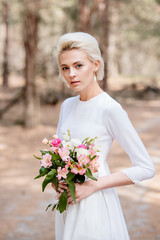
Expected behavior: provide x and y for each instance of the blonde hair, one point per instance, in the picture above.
(86, 43)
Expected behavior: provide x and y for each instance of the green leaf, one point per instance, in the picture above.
(51, 174)
(48, 179)
(70, 176)
(54, 206)
(55, 182)
(48, 206)
(43, 171)
(45, 183)
(54, 156)
(89, 174)
(71, 185)
(43, 152)
(63, 202)
(38, 176)
(39, 158)
(93, 157)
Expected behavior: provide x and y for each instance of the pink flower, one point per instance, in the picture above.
(81, 170)
(78, 169)
(92, 152)
(62, 173)
(45, 141)
(94, 165)
(46, 161)
(83, 159)
(74, 169)
(64, 154)
(82, 146)
(68, 164)
(56, 142)
(54, 149)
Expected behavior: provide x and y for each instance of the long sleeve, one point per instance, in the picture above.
(121, 129)
(60, 120)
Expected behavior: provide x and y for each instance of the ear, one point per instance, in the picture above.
(96, 65)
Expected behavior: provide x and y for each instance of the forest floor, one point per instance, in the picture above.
(23, 215)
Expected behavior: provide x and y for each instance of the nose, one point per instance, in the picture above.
(71, 73)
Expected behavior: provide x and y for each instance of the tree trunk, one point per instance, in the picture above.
(105, 39)
(31, 21)
(84, 16)
(86, 13)
(5, 49)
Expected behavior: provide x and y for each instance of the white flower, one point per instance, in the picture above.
(76, 142)
(82, 151)
(68, 144)
(45, 141)
(66, 136)
(55, 136)
(96, 147)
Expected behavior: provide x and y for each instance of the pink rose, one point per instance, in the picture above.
(56, 142)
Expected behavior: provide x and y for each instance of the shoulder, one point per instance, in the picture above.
(111, 104)
(113, 109)
(69, 101)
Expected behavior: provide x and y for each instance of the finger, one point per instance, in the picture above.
(62, 186)
(62, 183)
(60, 190)
(70, 199)
(52, 185)
(58, 195)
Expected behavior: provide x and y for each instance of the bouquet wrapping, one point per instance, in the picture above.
(69, 160)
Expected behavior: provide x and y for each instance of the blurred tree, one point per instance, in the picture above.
(104, 7)
(6, 42)
(31, 21)
(86, 11)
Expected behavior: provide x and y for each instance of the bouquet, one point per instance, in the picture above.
(69, 160)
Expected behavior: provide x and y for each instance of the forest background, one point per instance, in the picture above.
(128, 32)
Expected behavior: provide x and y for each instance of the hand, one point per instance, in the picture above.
(82, 191)
(61, 187)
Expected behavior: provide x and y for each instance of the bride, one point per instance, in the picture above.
(97, 214)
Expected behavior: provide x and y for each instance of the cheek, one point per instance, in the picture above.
(88, 71)
(64, 74)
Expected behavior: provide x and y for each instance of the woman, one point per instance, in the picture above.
(97, 214)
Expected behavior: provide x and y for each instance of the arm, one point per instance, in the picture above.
(89, 187)
(121, 129)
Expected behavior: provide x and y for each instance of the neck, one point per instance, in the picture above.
(91, 91)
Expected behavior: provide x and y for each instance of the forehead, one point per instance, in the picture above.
(73, 55)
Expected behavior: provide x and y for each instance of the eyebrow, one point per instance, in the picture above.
(73, 63)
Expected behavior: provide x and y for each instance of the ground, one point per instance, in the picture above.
(23, 215)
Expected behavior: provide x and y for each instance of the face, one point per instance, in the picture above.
(77, 69)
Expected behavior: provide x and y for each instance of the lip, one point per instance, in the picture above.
(75, 82)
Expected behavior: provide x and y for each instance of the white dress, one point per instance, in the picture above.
(99, 217)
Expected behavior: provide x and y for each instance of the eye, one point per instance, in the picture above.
(79, 65)
(64, 68)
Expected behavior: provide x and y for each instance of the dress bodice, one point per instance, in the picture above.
(104, 118)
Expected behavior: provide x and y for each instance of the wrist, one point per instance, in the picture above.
(94, 185)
